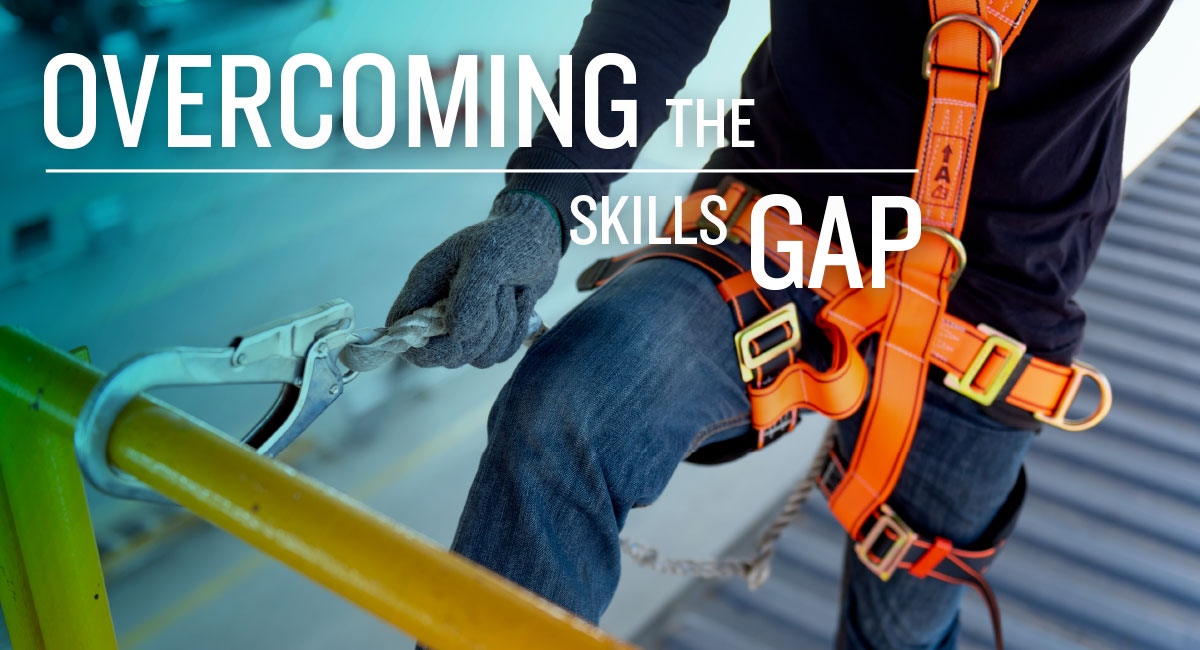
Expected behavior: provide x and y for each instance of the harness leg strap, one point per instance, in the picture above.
(890, 545)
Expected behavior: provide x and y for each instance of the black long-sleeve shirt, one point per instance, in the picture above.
(838, 85)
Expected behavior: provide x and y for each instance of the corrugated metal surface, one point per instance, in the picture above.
(1107, 554)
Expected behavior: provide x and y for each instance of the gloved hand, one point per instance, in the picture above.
(490, 274)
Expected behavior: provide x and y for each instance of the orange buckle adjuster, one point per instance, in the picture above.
(902, 538)
(965, 384)
(748, 360)
(993, 36)
(1080, 370)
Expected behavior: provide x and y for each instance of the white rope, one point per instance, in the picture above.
(755, 570)
(380, 346)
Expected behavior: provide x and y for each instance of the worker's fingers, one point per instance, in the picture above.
(471, 308)
(471, 319)
(498, 347)
(441, 351)
(430, 279)
(524, 303)
(489, 275)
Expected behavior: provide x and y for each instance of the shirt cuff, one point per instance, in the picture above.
(558, 189)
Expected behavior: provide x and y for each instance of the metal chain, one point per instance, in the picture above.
(755, 570)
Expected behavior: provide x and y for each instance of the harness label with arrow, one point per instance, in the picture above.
(943, 170)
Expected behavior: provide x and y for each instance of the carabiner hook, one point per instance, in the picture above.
(298, 352)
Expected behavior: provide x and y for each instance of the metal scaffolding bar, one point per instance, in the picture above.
(440, 598)
(54, 538)
(16, 599)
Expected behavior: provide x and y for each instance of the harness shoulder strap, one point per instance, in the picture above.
(963, 57)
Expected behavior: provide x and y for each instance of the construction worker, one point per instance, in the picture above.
(605, 405)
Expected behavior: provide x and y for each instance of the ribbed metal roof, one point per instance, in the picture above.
(1107, 552)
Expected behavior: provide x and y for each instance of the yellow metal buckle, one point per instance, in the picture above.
(747, 359)
(885, 565)
(965, 384)
(1080, 370)
(997, 48)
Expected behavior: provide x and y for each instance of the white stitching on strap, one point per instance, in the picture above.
(947, 321)
(847, 320)
(863, 482)
(897, 348)
(954, 102)
(915, 290)
(1001, 17)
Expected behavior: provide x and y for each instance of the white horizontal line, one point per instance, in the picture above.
(467, 171)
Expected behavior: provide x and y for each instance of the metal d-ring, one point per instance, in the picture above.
(997, 47)
(955, 244)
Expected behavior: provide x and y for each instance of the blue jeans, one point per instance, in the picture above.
(606, 404)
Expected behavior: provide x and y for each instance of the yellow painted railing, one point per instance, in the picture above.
(53, 592)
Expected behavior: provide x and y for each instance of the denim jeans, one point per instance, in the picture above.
(605, 406)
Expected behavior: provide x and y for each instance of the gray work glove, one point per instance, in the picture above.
(490, 274)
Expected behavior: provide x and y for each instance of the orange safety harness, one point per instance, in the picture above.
(962, 59)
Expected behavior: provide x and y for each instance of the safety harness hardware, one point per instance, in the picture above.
(299, 353)
(747, 337)
(891, 529)
(993, 65)
(956, 245)
(964, 384)
(1080, 371)
(312, 355)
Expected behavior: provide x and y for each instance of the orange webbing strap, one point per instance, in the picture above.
(988, 366)
(961, 63)
(981, 362)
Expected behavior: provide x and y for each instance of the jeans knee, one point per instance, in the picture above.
(620, 387)
(544, 405)
(552, 386)
(562, 419)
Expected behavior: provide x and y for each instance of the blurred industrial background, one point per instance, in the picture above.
(129, 263)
